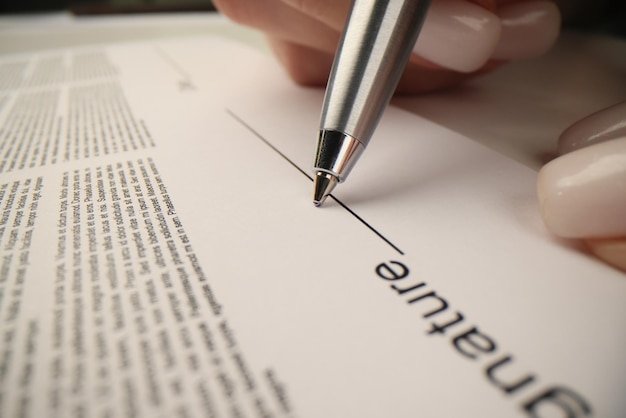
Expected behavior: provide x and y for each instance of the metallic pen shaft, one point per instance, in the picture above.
(372, 54)
(377, 43)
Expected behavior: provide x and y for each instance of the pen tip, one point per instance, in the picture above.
(324, 185)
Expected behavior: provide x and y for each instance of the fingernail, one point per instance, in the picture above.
(458, 35)
(583, 193)
(601, 126)
(529, 29)
(612, 251)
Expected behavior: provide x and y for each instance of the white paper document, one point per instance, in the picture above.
(160, 256)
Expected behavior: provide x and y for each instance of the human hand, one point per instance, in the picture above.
(459, 39)
(582, 193)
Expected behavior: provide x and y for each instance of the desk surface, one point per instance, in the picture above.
(518, 110)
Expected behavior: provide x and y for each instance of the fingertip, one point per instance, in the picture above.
(458, 35)
(583, 194)
(529, 29)
(606, 124)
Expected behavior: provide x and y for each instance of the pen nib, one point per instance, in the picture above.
(324, 185)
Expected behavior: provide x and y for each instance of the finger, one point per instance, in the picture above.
(463, 36)
(589, 135)
(306, 66)
(279, 20)
(306, 42)
(332, 13)
(529, 29)
(310, 67)
(582, 194)
(607, 124)
(457, 34)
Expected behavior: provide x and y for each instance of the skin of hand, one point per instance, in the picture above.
(582, 193)
(459, 39)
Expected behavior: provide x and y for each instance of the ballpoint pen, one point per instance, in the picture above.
(373, 51)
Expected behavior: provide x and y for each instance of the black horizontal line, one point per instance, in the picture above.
(297, 167)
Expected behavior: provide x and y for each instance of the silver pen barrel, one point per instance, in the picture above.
(373, 52)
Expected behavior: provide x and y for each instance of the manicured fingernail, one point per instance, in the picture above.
(583, 193)
(601, 126)
(458, 35)
(529, 29)
(612, 251)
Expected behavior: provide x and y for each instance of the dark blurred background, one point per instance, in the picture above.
(604, 16)
(104, 7)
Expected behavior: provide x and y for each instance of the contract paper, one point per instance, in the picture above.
(160, 256)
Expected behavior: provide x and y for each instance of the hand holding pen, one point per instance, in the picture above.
(461, 39)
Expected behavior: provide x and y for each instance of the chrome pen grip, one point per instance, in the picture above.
(374, 49)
